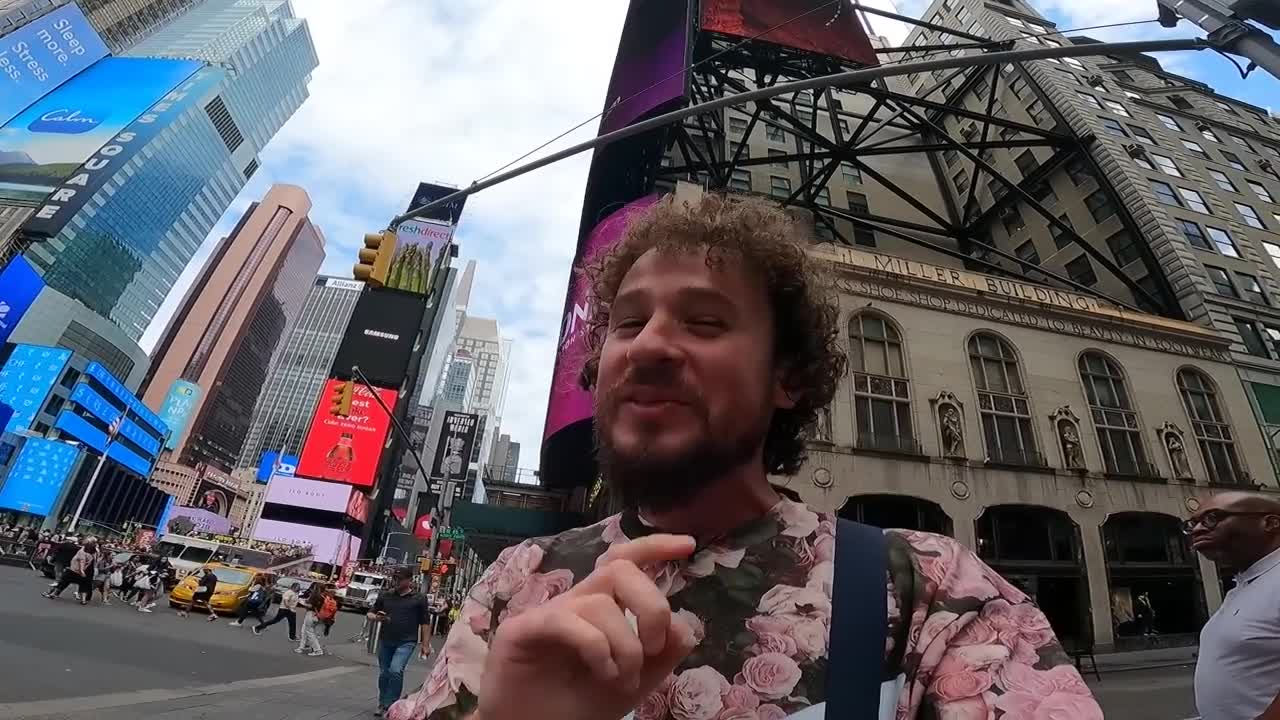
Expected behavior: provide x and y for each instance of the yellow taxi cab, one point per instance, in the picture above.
(231, 591)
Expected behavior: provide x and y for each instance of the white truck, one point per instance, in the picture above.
(363, 589)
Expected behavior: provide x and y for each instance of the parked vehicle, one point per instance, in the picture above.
(363, 589)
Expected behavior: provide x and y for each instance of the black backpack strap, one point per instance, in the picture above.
(859, 620)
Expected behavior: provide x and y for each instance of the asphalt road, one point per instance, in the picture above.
(56, 648)
(1158, 694)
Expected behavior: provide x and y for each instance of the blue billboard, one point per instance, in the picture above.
(125, 398)
(27, 378)
(176, 409)
(74, 426)
(41, 55)
(45, 144)
(76, 185)
(268, 466)
(37, 476)
(20, 284)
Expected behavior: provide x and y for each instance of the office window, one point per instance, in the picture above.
(1272, 151)
(779, 187)
(823, 231)
(774, 133)
(1252, 339)
(1122, 75)
(1195, 148)
(1234, 161)
(1221, 281)
(881, 388)
(1012, 219)
(1222, 240)
(739, 150)
(1169, 122)
(1180, 102)
(997, 188)
(741, 181)
(1194, 200)
(1036, 110)
(1062, 239)
(862, 235)
(1100, 206)
(844, 127)
(1124, 248)
(1251, 289)
(1209, 424)
(1114, 127)
(1078, 170)
(1089, 100)
(950, 157)
(823, 196)
(1243, 143)
(850, 172)
(1223, 181)
(1026, 163)
(1027, 251)
(1081, 271)
(1250, 216)
(1002, 400)
(1142, 135)
(1208, 134)
(1166, 165)
(1113, 415)
(1044, 193)
(961, 179)
(737, 125)
(1273, 250)
(1142, 162)
(1195, 235)
(1226, 108)
(1132, 95)
(1260, 190)
(778, 154)
(1074, 63)
(1117, 108)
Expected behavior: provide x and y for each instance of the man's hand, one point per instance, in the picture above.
(578, 657)
(376, 617)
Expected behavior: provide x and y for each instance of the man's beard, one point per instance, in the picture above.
(660, 483)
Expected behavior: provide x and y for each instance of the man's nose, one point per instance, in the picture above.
(657, 342)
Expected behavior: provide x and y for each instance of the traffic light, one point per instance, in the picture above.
(375, 258)
(340, 402)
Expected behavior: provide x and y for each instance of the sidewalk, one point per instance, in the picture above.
(1145, 659)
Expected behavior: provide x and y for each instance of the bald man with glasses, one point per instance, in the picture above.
(1238, 668)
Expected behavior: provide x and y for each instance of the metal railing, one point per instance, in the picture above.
(906, 444)
(1024, 457)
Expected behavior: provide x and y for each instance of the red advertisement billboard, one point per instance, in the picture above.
(819, 26)
(347, 449)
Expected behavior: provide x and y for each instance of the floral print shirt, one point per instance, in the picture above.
(962, 642)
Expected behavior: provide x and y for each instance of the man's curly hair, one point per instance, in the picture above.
(807, 343)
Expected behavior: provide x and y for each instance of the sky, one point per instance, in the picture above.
(449, 92)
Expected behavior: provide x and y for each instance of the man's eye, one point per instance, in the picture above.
(706, 325)
(628, 325)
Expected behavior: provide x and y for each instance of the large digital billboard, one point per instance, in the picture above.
(43, 54)
(818, 26)
(429, 193)
(347, 449)
(200, 520)
(176, 409)
(273, 463)
(45, 144)
(214, 497)
(569, 402)
(20, 285)
(313, 494)
(125, 398)
(421, 246)
(456, 445)
(649, 69)
(27, 378)
(380, 336)
(328, 545)
(37, 476)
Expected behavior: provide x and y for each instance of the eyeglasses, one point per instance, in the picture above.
(1212, 518)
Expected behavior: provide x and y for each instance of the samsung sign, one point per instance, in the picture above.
(73, 192)
(41, 55)
(19, 287)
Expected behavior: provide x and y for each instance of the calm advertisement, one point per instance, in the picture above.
(39, 472)
(456, 445)
(649, 70)
(43, 54)
(45, 144)
(176, 409)
(380, 337)
(429, 193)
(328, 545)
(421, 246)
(175, 86)
(819, 26)
(569, 403)
(27, 378)
(20, 285)
(273, 463)
(183, 520)
(304, 493)
(347, 449)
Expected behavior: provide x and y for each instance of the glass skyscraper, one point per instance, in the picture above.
(289, 397)
(122, 253)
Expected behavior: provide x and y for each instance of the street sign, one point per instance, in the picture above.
(452, 533)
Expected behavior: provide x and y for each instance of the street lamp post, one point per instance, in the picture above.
(97, 470)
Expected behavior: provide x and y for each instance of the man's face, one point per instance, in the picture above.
(686, 386)
(404, 584)
(1236, 538)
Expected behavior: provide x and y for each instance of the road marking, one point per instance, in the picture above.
(60, 706)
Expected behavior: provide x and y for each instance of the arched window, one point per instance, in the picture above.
(1113, 415)
(881, 390)
(1217, 444)
(1002, 401)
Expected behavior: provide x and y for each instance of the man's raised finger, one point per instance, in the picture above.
(650, 550)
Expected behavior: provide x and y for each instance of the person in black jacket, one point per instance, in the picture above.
(62, 555)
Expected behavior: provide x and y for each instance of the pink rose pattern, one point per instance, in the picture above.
(970, 645)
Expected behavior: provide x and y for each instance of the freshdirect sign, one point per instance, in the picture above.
(27, 378)
(38, 474)
(347, 449)
(20, 285)
(176, 409)
(41, 55)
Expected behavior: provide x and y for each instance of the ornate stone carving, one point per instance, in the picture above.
(1066, 428)
(950, 424)
(822, 478)
(1175, 448)
(822, 427)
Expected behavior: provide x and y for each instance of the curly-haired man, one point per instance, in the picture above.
(713, 345)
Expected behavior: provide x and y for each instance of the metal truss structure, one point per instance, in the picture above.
(903, 125)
